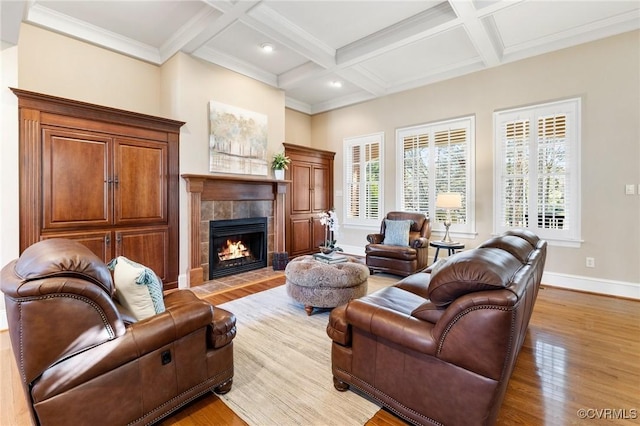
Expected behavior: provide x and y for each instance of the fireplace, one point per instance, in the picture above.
(237, 245)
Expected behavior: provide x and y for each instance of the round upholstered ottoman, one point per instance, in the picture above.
(319, 285)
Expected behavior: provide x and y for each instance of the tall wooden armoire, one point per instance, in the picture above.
(311, 193)
(104, 177)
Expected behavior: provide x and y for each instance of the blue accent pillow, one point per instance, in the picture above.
(396, 232)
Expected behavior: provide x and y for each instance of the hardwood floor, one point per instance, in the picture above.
(580, 364)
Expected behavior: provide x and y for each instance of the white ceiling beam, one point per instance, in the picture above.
(481, 39)
(234, 64)
(186, 37)
(362, 78)
(299, 75)
(215, 25)
(281, 30)
(11, 13)
(425, 24)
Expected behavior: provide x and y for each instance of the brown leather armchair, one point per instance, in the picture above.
(400, 259)
(81, 363)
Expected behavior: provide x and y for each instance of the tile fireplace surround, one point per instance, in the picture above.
(214, 197)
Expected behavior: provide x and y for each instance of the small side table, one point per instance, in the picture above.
(451, 247)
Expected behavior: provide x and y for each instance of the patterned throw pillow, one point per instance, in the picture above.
(138, 288)
(396, 232)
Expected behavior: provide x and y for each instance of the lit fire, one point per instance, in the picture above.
(233, 250)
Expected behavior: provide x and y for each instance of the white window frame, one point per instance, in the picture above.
(467, 229)
(571, 108)
(362, 142)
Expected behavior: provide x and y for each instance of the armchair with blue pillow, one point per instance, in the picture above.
(402, 245)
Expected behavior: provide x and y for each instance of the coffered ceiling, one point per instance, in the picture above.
(371, 48)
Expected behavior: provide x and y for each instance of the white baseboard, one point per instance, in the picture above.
(592, 285)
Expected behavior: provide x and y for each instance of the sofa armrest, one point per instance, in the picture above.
(184, 313)
(338, 329)
(222, 330)
(387, 313)
(392, 325)
(375, 238)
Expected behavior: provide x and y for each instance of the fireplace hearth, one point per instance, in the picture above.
(237, 245)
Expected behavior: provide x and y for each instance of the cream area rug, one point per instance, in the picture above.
(282, 361)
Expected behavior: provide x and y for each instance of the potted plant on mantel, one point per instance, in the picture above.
(279, 164)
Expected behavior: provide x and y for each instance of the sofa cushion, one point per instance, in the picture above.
(512, 244)
(138, 288)
(57, 257)
(397, 232)
(470, 271)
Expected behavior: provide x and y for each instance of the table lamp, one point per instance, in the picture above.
(448, 201)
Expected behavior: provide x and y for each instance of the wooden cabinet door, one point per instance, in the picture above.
(99, 242)
(140, 182)
(301, 236)
(301, 181)
(148, 246)
(320, 185)
(76, 185)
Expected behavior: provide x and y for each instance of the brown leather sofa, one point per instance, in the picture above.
(396, 259)
(438, 348)
(82, 364)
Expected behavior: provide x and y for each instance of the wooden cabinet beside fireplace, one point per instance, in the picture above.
(104, 177)
(311, 175)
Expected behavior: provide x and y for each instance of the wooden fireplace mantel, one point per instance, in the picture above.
(218, 187)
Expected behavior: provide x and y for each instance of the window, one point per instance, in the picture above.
(436, 158)
(363, 179)
(537, 166)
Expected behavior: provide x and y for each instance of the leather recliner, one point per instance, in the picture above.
(82, 364)
(439, 347)
(396, 259)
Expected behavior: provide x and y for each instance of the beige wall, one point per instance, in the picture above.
(61, 66)
(297, 128)
(605, 74)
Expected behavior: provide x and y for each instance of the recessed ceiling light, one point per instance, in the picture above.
(267, 47)
(336, 84)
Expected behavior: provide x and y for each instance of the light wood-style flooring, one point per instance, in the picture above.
(580, 364)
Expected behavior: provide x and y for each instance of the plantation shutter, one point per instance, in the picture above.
(451, 168)
(553, 207)
(372, 187)
(515, 172)
(536, 152)
(353, 178)
(435, 159)
(416, 173)
(362, 180)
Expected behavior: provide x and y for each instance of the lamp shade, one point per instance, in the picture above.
(449, 200)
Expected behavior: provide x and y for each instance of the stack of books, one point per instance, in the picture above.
(330, 258)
